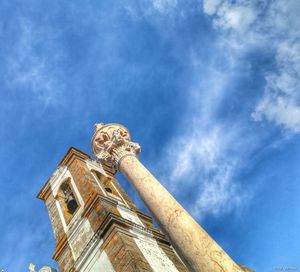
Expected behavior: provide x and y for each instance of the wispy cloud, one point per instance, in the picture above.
(32, 64)
(272, 26)
(237, 16)
(164, 5)
(281, 101)
(209, 152)
(202, 164)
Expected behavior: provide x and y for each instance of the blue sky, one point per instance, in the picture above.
(210, 90)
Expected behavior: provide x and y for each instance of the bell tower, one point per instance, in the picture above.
(96, 226)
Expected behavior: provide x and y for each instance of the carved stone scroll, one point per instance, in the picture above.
(112, 142)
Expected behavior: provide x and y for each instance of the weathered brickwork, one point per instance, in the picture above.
(82, 178)
(101, 211)
(65, 260)
(55, 218)
(124, 253)
(103, 214)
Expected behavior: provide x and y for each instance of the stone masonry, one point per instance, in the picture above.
(106, 232)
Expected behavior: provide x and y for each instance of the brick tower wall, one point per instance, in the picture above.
(106, 232)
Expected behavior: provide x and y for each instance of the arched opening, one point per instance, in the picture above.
(67, 200)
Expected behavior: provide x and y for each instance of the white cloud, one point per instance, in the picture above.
(279, 109)
(235, 16)
(274, 27)
(164, 5)
(219, 194)
(32, 64)
(201, 162)
(205, 155)
(281, 101)
(210, 7)
(195, 149)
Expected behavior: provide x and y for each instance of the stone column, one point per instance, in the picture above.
(112, 144)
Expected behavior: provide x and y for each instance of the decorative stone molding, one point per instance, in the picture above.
(112, 142)
(47, 269)
(43, 269)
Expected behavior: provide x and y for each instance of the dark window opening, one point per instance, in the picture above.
(69, 199)
(108, 190)
(71, 203)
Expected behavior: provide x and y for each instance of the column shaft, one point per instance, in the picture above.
(197, 249)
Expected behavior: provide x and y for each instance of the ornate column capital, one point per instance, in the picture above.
(112, 142)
